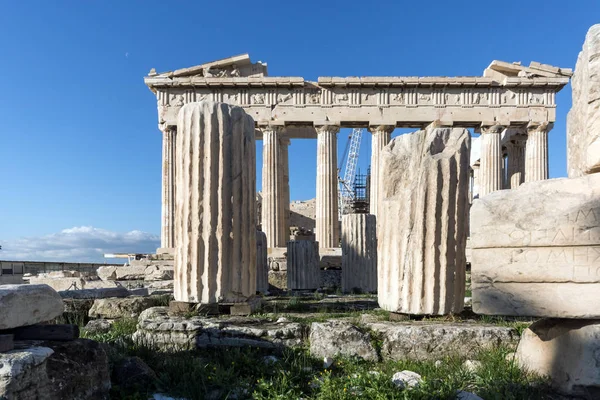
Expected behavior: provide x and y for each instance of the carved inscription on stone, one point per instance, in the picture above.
(536, 249)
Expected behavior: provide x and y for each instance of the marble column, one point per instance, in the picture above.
(328, 226)
(272, 188)
(516, 161)
(285, 175)
(491, 159)
(167, 234)
(536, 152)
(380, 137)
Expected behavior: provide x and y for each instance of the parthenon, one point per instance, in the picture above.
(511, 105)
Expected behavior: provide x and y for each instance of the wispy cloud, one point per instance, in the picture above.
(79, 244)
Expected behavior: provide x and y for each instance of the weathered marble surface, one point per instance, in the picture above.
(75, 370)
(262, 264)
(433, 341)
(303, 265)
(422, 238)
(157, 329)
(22, 305)
(583, 122)
(215, 204)
(359, 253)
(340, 338)
(568, 351)
(536, 249)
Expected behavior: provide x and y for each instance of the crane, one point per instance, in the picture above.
(346, 183)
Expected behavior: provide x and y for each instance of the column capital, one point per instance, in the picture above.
(487, 128)
(535, 126)
(375, 129)
(325, 128)
(278, 129)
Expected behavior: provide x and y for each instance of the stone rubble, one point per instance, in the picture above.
(406, 379)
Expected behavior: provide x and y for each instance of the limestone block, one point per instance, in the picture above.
(123, 273)
(359, 253)
(433, 341)
(303, 265)
(22, 305)
(421, 241)
(536, 250)
(159, 330)
(334, 338)
(262, 265)
(568, 351)
(583, 122)
(215, 210)
(99, 293)
(129, 307)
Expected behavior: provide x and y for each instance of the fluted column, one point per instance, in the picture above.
(327, 230)
(516, 161)
(285, 175)
(215, 204)
(272, 188)
(380, 137)
(536, 152)
(167, 235)
(491, 159)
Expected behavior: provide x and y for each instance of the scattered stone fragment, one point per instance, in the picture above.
(332, 338)
(22, 305)
(113, 308)
(406, 379)
(96, 326)
(472, 366)
(327, 362)
(568, 351)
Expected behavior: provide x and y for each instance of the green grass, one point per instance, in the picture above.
(243, 373)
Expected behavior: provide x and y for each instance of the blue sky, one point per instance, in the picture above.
(79, 142)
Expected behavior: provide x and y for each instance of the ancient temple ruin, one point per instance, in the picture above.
(513, 106)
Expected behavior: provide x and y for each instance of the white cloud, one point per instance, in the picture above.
(78, 244)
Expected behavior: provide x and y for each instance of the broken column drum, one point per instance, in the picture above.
(215, 210)
(359, 253)
(303, 270)
(262, 265)
(422, 239)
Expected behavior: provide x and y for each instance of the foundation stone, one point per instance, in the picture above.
(215, 209)
(536, 250)
(422, 238)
